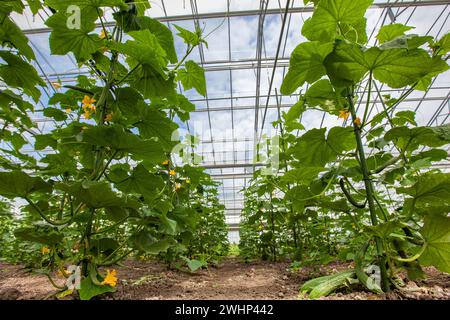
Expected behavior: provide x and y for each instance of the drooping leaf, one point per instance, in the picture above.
(40, 235)
(92, 193)
(19, 184)
(116, 138)
(19, 74)
(10, 34)
(155, 124)
(322, 94)
(56, 114)
(145, 242)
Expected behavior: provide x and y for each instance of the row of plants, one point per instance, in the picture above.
(366, 190)
(102, 184)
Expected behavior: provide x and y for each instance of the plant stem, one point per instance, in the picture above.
(366, 111)
(369, 192)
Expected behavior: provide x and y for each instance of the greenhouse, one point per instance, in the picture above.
(224, 150)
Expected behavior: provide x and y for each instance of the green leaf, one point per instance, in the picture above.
(162, 33)
(292, 116)
(145, 50)
(151, 83)
(306, 65)
(43, 235)
(403, 117)
(19, 74)
(56, 114)
(143, 182)
(333, 15)
(116, 138)
(391, 31)
(144, 241)
(395, 67)
(436, 231)
(88, 289)
(116, 214)
(35, 6)
(383, 230)
(193, 76)
(302, 175)
(44, 140)
(430, 190)
(78, 41)
(7, 6)
(322, 94)
(412, 138)
(10, 34)
(92, 193)
(443, 45)
(190, 38)
(155, 124)
(432, 154)
(63, 4)
(313, 149)
(167, 225)
(19, 184)
(193, 264)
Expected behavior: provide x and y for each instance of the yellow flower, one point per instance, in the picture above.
(109, 117)
(358, 121)
(343, 114)
(110, 278)
(177, 186)
(103, 35)
(165, 162)
(172, 172)
(88, 100)
(56, 85)
(188, 181)
(45, 250)
(68, 110)
(87, 114)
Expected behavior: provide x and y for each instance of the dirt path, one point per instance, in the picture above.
(232, 279)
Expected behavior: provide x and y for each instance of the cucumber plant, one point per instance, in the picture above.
(107, 186)
(373, 176)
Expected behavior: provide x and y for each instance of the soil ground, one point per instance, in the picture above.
(231, 279)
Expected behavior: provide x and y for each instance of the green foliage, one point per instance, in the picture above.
(109, 188)
(436, 232)
(193, 76)
(371, 185)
